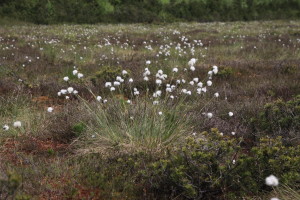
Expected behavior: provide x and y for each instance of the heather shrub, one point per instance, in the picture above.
(279, 118)
(106, 73)
(206, 166)
(213, 166)
(225, 72)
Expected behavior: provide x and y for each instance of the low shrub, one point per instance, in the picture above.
(78, 128)
(206, 166)
(106, 73)
(10, 183)
(279, 118)
(214, 166)
(225, 72)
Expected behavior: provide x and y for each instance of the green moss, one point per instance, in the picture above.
(79, 128)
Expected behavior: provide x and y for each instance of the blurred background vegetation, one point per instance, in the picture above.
(146, 11)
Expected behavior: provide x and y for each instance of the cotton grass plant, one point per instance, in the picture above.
(147, 117)
(138, 126)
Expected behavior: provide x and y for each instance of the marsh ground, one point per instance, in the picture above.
(258, 62)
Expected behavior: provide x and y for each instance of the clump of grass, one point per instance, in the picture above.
(138, 126)
(285, 192)
(137, 119)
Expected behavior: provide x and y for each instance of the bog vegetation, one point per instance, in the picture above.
(181, 111)
(114, 11)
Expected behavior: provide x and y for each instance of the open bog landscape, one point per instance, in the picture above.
(150, 111)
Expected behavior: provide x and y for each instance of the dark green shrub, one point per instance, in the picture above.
(107, 73)
(225, 72)
(279, 118)
(79, 128)
(209, 166)
(216, 167)
(115, 176)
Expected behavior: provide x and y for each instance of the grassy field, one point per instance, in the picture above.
(180, 111)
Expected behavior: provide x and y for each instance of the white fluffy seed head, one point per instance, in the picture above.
(75, 72)
(155, 102)
(70, 89)
(272, 181)
(274, 198)
(66, 78)
(158, 82)
(5, 127)
(17, 124)
(200, 84)
(147, 72)
(112, 89)
(63, 91)
(215, 71)
(118, 78)
(108, 84)
(79, 75)
(199, 90)
(209, 115)
(49, 109)
(168, 89)
(99, 98)
(124, 72)
(196, 80)
(117, 83)
(192, 62)
(209, 83)
(230, 114)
